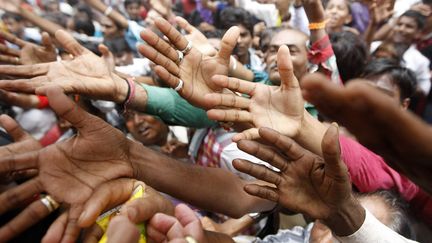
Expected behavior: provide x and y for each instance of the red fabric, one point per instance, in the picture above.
(43, 102)
(320, 51)
(51, 136)
(370, 173)
(188, 6)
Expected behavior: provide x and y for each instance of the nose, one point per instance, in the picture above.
(136, 118)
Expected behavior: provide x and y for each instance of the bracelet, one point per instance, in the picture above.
(43, 102)
(318, 25)
(130, 93)
(108, 10)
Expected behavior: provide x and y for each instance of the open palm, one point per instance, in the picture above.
(280, 108)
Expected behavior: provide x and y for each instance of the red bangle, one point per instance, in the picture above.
(43, 102)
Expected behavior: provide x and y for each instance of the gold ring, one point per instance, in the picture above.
(190, 239)
(49, 203)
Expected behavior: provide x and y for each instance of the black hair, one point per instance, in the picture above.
(129, 2)
(419, 18)
(351, 54)
(9, 15)
(86, 9)
(86, 27)
(404, 78)
(117, 45)
(232, 16)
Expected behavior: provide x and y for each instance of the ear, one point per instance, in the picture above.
(405, 103)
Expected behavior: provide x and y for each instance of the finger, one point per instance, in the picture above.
(10, 60)
(331, 154)
(263, 152)
(167, 225)
(12, 39)
(72, 230)
(167, 77)
(56, 230)
(121, 229)
(160, 59)
(286, 70)
(104, 50)
(228, 43)
(18, 195)
(25, 70)
(24, 85)
(31, 215)
(47, 42)
(68, 110)
(177, 39)
(184, 24)
(189, 220)
(12, 128)
(285, 144)
(227, 100)
(258, 171)
(17, 162)
(69, 43)
(249, 134)
(154, 235)
(9, 51)
(93, 234)
(107, 196)
(234, 84)
(160, 45)
(21, 175)
(264, 192)
(229, 115)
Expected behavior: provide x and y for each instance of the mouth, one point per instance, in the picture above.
(144, 130)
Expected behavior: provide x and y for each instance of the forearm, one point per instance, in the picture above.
(40, 22)
(114, 15)
(383, 32)
(200, 186)
(315, 13)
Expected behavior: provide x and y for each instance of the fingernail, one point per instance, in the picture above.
(131, 212)
(82, 217)
(335, 124)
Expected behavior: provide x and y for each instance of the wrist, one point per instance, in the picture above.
(121, 89)
(346, 219)
(311, 133)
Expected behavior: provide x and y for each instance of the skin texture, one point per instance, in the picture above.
(308, 184)
(146, 128)
(406, 150)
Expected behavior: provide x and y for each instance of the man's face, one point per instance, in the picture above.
(146, 129)
(244, 42)
(123, 58)
(296, 42)
(337, 13)
(109, 29)
(406, 30)
(133, 10)
(15, 27)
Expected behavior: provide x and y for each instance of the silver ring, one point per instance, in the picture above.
(180, 57)
(179, 85)
(49, 203)
(188, 48)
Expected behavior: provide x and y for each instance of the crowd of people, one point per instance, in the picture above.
(215, 121)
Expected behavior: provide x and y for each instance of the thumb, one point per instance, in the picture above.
(286, 70)
(47, 42)
(12, 128)
(331, 152)
(229, 41)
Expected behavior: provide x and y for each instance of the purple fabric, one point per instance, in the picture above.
(205, 14)
(360, 14)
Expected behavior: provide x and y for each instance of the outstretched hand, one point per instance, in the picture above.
(195, 70)
(69, 171)
(280, 108)
(306, 183)
(376, 121)
(29, 53)
(86, 74)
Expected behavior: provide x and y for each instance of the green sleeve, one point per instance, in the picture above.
(167, 104)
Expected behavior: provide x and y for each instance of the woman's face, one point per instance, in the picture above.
(338, 13)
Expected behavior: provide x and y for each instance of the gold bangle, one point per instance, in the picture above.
(318, 26)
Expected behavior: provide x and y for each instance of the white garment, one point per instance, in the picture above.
(268, 13)
(372, 230)
(140, 67)
(415, 61)
(36, 121)
(401, 6)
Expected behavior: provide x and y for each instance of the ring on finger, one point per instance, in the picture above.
(187, 48)
(190, 239)
(180, 57)
(179, 85)
(49, 203)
